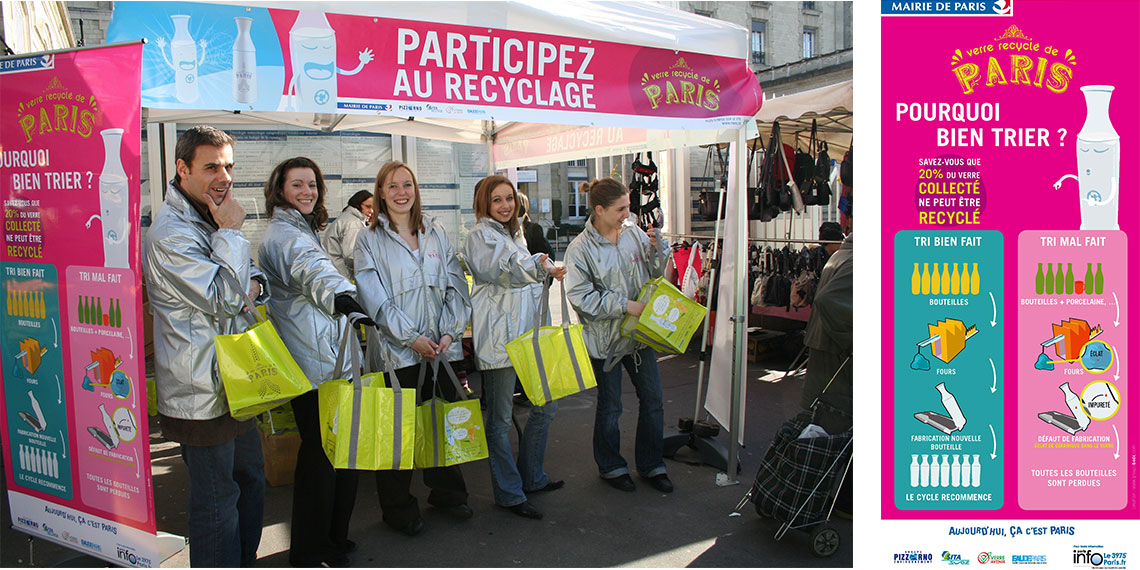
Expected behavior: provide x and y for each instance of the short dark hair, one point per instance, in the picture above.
(830, 231)
(195, 137)
(604, 192)
(357, 199)
(275, 189)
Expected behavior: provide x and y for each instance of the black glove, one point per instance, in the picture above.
(346, 305)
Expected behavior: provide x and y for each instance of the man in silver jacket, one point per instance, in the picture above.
(193, 240)
(340, 236)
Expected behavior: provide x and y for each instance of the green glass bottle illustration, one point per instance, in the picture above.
(1048, 279)
(965, 278)
(99, 312)
(1039, 282)
(79, 311)
(1089, 279)
(1060, 282)
(1098, 280)
(945, 281)
(915, 281)
(925, 278)
(1069, 279)
(119, 313)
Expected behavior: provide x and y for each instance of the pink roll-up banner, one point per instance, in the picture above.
(76, 453)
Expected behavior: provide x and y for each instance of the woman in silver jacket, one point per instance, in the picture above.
(412, 285)
(505, 302)
(607, 264)
(307, 304)
(340, 237)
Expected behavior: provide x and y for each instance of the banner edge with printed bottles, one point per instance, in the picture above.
(384, 66)
(74, 398)
(991, 109)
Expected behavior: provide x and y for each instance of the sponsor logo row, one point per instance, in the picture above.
(1084, 556)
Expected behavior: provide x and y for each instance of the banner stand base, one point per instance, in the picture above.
(169, 545)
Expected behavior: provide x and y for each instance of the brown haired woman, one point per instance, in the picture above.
(308, 299)
(412, 285)
(608, 264)
(505, 302)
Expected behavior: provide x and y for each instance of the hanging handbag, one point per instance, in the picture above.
(258, 372)
(822, 190)
(448, 433)
(365, 424)
(846, 169)
(552, 361)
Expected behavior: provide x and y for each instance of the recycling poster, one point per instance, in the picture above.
(76, 453)
(1010, 219)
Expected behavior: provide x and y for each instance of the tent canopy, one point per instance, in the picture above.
(829, 106)
(662, 78)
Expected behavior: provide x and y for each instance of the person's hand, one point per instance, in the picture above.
(634, 308)
(652, 233)
(425, 347)
(558, 273)
(444, 342)
(229, 214)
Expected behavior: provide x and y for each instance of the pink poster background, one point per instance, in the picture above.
(61, 110)
(621, 73)
(918, 58)
(1039, 389)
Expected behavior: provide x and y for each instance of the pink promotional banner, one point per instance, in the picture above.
(76, 444)
(1010, 217)
(216, 56)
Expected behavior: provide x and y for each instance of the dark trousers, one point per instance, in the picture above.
(323, 497)
(227, 500)
(446, 483)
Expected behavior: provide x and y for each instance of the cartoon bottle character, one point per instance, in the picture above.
(184, 53)
(1098, 162)
(312, 49)
(113, 202)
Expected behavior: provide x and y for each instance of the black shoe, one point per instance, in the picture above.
(551, 486)
(622, 483)
(460, 511)
(525, 510)
(345, 547)
(413, 528)
(661, 483)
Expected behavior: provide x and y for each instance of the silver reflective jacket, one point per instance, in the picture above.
(507, 291)
(408, 297)
(601, 277)
(191, 304)
(340, 239)
(304, 285)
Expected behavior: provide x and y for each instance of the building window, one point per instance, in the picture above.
(581, 163)
(705, 13)
(758, 32)
(809, 43)
(809, 6)
(579, 202)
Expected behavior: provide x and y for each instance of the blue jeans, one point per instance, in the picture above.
(227, 499)
(511, 480)
(650, 441)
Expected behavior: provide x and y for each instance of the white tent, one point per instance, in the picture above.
(519, 136)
